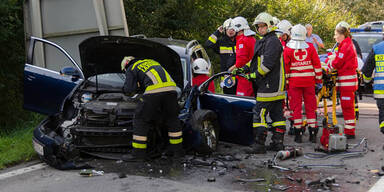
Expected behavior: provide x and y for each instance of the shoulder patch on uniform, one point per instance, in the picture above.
(241, 46)
(341, 55)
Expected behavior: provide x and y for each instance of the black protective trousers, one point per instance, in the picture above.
(157, 108)
(275, 111)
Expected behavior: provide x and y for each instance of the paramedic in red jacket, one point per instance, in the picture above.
(201, 70)
(303, 71)
(344, 61)
(245, 44)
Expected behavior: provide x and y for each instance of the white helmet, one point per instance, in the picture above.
(200, 66)
(240, 23)
(275, 21)
(264, 18)
(298, 36)
(227, 24)
(343, 24)
(284, 26)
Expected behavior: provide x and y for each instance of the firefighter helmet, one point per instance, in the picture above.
(284, 26)
(298, 36)
(264, 18)
(125, 62)
(200, 66)
(275, 21)
(227, 24)
(240, 23)
(343, 24)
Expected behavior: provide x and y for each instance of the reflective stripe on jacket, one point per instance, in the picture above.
(225, 47)
(345, 63)
(375, 61)
(302, 66)
(268, 65)
(150, 75)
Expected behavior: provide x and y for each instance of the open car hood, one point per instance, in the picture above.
(103, 54)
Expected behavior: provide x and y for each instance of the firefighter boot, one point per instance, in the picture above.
(277, 142)
(298, 135)
(176, 151)
(259, 146)
(312, 134)
(137, 155)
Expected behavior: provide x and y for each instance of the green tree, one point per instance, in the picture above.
(12, 62)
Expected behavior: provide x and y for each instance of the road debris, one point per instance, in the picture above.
(249, 180)
(90, 172)
(211, 179)
(325, 184)
(281, 187)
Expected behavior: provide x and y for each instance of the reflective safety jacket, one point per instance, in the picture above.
(268, 65)
(302, 66)
(147, 76)
(225, 47)
(345, 63)
(375, 60)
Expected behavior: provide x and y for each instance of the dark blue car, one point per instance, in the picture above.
(88, 113)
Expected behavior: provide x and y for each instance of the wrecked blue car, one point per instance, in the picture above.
(87, 112)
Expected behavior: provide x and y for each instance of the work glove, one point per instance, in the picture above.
(382, 130)
(330, 60)
(250, 76)
(237, 71)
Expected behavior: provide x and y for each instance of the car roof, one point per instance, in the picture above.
(177, 45)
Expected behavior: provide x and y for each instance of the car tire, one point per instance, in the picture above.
(206, 123)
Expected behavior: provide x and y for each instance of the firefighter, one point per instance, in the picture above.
(245, 44)
(303, 71)
(375, 62)
(344, 61)
(201, 70)
(225, 46)
(284, 27)
(159, 97)
(267, 72)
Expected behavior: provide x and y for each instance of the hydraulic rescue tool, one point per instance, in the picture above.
(333, 138)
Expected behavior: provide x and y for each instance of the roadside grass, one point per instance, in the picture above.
(16, 145)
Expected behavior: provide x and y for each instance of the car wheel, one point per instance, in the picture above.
(206, 123)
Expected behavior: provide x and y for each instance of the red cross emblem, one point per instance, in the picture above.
(300, 54)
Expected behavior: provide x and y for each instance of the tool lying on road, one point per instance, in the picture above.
(90, 172)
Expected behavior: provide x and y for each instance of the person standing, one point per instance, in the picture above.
(245, 44)
(267, 73)
(159, 97)
(225, 46)
(375, 62)
(303, 71)
(344, 61)
(313, 38)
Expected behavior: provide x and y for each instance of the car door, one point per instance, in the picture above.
(234, 114)
(45, 88)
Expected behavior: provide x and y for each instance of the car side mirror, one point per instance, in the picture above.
(70, 71)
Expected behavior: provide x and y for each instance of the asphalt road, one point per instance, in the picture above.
(232, 165)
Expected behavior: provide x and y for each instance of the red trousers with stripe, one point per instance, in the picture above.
(347, 100)
(296, 96)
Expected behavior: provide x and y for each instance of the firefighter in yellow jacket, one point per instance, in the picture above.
(159, 97)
